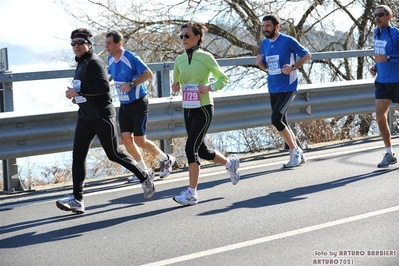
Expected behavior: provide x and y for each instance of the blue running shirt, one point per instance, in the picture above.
(277, 53)
(386, 42)
(126, 69)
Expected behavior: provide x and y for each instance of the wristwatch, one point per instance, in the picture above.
(132, 84)
(388, 57)
(294, 67)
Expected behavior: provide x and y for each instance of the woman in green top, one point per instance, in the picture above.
(192, 71)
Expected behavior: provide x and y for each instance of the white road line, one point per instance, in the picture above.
(271, 238)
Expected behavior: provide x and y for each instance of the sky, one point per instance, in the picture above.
(41, 25)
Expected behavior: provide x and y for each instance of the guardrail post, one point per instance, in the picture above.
(11, 180)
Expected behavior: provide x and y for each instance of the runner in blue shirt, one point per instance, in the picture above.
(129, 73)
(278, 58)
(386, 50)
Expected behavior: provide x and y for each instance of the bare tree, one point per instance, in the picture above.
(235, 30)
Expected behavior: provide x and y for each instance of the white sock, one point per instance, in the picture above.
(142, 165)
(162, 156)
(389, 150)
(193, 191)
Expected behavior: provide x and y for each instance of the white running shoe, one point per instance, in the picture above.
(295, 159)
(186, 198)
(71, 204)
(166, 166)
(133, 179)
(150, 173)
(148, 185)
(303, 159)
(233, 170)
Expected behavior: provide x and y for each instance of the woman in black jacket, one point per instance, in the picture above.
(96, 116)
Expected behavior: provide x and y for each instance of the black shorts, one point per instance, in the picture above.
(133, 116)
(387, 91)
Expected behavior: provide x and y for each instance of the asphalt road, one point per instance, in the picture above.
(337, 209)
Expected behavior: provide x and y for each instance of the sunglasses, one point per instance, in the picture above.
(185, 36)
(79, 42)
(380, 15)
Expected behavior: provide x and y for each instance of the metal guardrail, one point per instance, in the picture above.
(41, 132)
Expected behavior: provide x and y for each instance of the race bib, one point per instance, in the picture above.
(123, 96)
(380, 47)
(77, 86)
(273, 64)
(191, 96)
(80, 99)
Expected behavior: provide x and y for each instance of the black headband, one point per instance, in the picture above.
(82, 35)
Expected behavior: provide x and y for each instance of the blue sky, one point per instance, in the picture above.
(41, 25)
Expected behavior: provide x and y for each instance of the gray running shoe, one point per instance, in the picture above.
(295, 159)
(133, 179)
(148, 184)
(387, 160)
(166, 166)
(186, 198)
(233, 170)
(71, 204)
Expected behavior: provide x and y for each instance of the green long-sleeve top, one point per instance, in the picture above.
(198, 71)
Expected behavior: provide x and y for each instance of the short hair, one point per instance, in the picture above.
(274, 18)
(116, 36)
(83, 33)
(197, 28)
(387, 9)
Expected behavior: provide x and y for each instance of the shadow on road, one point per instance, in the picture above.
(281, 197)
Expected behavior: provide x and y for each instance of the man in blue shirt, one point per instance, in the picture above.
(278, 58)
(129, 73)
(386, 50)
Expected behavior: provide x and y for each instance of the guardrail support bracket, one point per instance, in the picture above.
(308, 110)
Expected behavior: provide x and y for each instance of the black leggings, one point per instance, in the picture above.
(105, 129)
(280, 103)
(197, 122)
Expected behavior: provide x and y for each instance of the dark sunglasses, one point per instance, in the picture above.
(79, 42)
(185, 36)
(380, 15)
